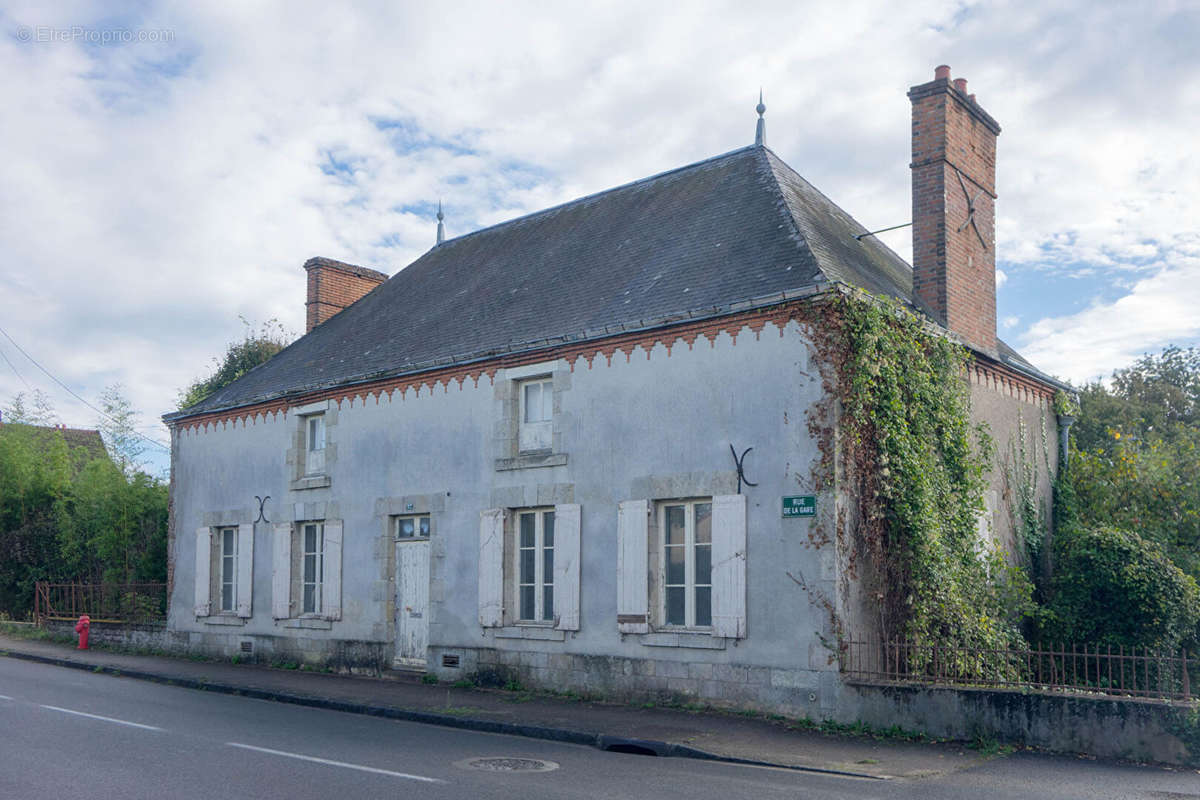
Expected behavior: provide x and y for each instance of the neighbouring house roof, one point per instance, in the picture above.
(738, 229)
(84, 444)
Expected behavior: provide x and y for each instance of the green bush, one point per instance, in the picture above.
(1112, 587)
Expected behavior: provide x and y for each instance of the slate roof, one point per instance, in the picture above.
(694, 241)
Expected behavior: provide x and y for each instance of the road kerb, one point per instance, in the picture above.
(565, 735)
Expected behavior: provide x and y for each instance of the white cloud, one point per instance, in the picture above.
(154, 193)
(1011, 321)
(1160, 310)
(1001, 278)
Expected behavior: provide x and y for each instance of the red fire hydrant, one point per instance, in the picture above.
(82, 627)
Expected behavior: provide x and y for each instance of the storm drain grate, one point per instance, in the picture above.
(510, 764)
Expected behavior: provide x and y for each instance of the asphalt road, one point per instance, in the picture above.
(67, 733)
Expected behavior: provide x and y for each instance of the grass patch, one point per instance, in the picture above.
(988, 746)
(520, 697)
(429, 679)
(458, 711)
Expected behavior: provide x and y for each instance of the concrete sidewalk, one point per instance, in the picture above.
(665, 731)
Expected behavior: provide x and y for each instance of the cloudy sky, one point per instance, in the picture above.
(168, 168)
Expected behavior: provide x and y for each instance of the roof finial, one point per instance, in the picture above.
(441, 233)
(760, 132)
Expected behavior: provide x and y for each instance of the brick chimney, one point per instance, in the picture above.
(954, 208)
(333, 285)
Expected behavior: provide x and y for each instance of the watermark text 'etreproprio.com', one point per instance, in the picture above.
(47, 34)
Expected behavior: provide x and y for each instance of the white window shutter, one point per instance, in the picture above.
(566, 566)
(729, 566)
(245, 569)
(491, 567)
(281, 571)
(633, 584)
(331, 587)
(203, 570)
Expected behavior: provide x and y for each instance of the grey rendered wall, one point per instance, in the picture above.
(1018, 421)
(1104, 727)
(644, 424)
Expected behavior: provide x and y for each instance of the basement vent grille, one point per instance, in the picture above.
(450, 661)
(247, 647)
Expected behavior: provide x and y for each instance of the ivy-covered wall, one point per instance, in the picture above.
(941, 472)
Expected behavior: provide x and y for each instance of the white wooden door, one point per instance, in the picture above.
(412, 601)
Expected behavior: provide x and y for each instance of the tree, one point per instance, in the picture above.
(118, 427)
(1112, 587)
(1135, 459)
(36, 411)
(254, 349)
(66, 515)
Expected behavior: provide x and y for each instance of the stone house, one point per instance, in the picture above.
(526, 452)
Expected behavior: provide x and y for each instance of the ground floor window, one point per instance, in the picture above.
(229, 549)
(687, 562)
(312, 566)
(535, 565)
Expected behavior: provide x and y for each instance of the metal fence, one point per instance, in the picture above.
(1123, 672)
(103, 602)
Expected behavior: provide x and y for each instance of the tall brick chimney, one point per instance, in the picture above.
(333, 285)
(954, 208)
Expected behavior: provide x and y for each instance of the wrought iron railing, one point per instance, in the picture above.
(103, 602)
(1090, 669)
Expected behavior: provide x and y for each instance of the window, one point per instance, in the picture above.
(535, 565)
(313, 566)
(415, 526)
(224, 571)
(687, 563)
(536, 411)
(314, 444)
(228, 544)
(306, 572)
(681, 567)
(529, 569)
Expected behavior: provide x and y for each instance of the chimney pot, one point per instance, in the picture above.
(942, 72)
(961, 84)
(971, 97)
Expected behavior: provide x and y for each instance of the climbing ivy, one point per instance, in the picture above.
(916, 467)
(1025, 511)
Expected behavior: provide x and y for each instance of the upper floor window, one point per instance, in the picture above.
(314, 444)
(536, 414)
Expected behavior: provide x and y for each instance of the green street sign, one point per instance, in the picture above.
(804, 505)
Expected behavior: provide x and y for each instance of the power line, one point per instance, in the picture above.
(14, 369)
(71, 392)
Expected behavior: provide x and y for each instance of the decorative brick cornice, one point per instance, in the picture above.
(577, 354)
(1005, 380)
(981, 370)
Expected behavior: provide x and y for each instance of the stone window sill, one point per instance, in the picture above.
(532, 460)
(538, 632)
(688, 639)
(223, 619)
(310, 482)
(311, 623)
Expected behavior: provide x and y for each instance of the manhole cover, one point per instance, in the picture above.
(509, 764)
